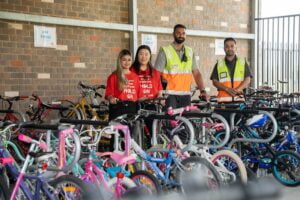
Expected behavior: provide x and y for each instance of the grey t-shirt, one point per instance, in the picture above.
(231, 68)
(161, 60)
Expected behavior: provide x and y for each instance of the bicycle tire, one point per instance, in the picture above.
(242, 172)
(84, 190)
(137, 134)
(280, 165)
(75, 113)
(156, 188)
(212, 178)
(4, 190)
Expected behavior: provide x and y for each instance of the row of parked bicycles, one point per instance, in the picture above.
(68, 150)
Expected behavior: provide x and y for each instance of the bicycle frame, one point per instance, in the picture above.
(63, 164)
(151, 161)
(41, 182)
(93, 172)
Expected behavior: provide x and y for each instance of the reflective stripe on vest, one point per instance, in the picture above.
(225, 79)
(178, 74)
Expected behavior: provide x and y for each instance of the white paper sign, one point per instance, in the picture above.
(219, 47)
(151, 41)
(44, 36)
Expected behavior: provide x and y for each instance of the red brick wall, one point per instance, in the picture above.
(196, 14)
(21, 62)
(95, 10)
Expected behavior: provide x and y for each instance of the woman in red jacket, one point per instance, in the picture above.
(122, 87)
(150, 84)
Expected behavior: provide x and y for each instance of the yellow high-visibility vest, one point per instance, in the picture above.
(178, 73)
(226, 80)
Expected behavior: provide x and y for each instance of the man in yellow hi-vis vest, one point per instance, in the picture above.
(178, 67)
(231, 75)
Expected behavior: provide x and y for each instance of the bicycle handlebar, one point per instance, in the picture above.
(94, 87)
(86, 122)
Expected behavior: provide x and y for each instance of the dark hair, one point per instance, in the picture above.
(178, 26)
(136, 65)
(229, 39)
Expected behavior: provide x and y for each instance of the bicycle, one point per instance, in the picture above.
(37, 186)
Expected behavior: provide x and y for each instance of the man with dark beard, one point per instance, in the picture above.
(231, 75)
(178, 66)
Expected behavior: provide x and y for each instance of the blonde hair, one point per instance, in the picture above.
(122, 81)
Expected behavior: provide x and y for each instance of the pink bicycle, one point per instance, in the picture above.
(115, 187)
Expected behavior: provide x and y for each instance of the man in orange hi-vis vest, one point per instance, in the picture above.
(178, 67)
(231, 75)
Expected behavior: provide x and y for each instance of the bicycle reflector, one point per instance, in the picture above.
(44, 166)
(120, 175)
(257, 121)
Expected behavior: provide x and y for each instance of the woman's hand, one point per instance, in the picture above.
(113, 100)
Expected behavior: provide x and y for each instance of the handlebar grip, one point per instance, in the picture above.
(67, 131)
(87, 122)
(245, 111)
(43, 145)
(101, 87)
(4, 161)
(24, 138)
(120, 127)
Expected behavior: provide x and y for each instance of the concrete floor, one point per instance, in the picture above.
(289, 193)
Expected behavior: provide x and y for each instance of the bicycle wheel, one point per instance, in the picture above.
(147, 180)
(198, 173)
(137, 134)
(70, 187)
(231, 162)
(286, 168)
(72, 113)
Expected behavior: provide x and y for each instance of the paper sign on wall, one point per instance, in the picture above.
(151, 41)
(219, 47)
(44, 36)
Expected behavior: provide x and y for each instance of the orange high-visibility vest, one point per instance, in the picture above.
(231, 82)
(178, 73)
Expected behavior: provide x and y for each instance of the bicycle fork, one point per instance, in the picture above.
(22, 173)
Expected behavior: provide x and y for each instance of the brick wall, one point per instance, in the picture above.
(26, 69)
(214, 15)
(95, 10)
